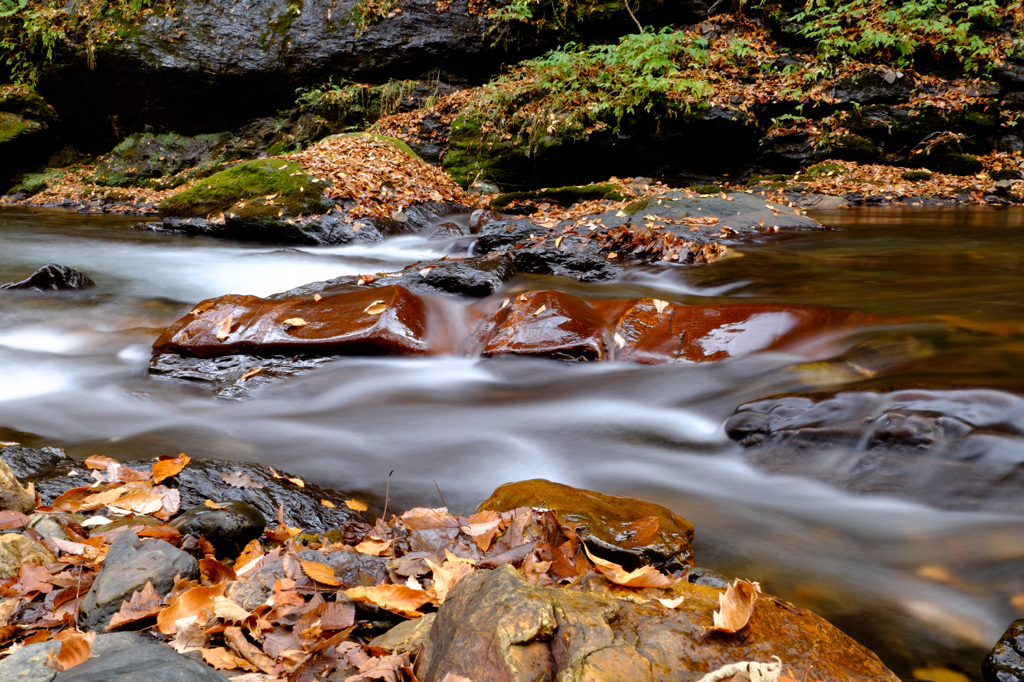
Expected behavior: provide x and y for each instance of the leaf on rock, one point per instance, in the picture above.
(144, 603)
(645, 576)
(228, 611)
(187, 604)
(75, 648)
(450, 572)
(736, 605)
(482, 527)
(12, 519)
(215, 572)
(386, 669)
(643, 529)
(421, 518)
(374, 546)
(222, 659)
(355, 505)
(166, 467)
(375, 308)
(99, 462)
(224, 325)
(295, 322)
(395, 598)
(240, 480)
(251, 552)
(321, 573)
(672, 603)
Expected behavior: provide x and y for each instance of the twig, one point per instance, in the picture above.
(387, 494)
(443, 503)
(633, 16)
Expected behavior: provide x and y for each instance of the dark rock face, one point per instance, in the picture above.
(383, 321)
(495, 626)
(143, 157)
(957, 449)
(606, 521)
(546, 324)
(27, 125)
(117, 657)
(230, 376)
(1005, 663)
(131, 563)
(47, 469)
(52, 277)
(229, 530)
(254, 55)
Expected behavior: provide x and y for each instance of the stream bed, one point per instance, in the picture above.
(922, 585)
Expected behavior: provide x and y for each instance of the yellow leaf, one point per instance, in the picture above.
(355, 505)
(225, 328)
(327, 503)
(187, 604)
(373, 546)
(375, 308)
(645, 576)
(75, 648)
(322, 573)
(222, 659)
(295, 322)
(171, 466)
(395, 598)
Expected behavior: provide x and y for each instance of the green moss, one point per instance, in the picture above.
(393, 141)
(11, 126)
(291, 188)
(640, 205)
(562, 195)
(708, 189)
(823, 169)
(916, 175)
(31, 184)
(160, 161)
(1006, 175)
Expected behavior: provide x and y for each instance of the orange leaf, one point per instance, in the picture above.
(395, 598)
(143, 604)
(222, 659)
(169, 466)
(645, 576)
(188, 604)
(736, 605)
(355, 505)
(327, 503)
(75, 648)
(98, 461)
(252, 551)
(373, 546)
(215, 572)
(322, 573)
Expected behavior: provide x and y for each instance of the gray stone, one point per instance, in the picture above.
(52, 277)
(229, 530)
(131, 563)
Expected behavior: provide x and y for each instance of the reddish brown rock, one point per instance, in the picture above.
(382, 321)
(547, 324)
(631, 531)
(495, 626)
(654, 332)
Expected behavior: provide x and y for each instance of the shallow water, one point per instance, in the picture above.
(922, 586)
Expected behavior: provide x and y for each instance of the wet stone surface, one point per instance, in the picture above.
(52, 277)
(1005, 663)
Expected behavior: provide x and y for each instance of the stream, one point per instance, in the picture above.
(919, 585)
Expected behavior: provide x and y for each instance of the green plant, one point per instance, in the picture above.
(366, 13)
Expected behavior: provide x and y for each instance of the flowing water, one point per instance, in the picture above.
(920, 585)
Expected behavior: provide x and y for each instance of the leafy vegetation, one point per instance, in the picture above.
(32, 30)
(369, 102)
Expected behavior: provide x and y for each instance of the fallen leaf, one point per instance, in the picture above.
(373, 546)
(189, 603)
(75, 648)
(327, 503)
(659, 305)
(395, 598)
(240, 480)
(672, 603)
(539, 310)
(321, 573)
(645, 576)
(295, 322)
(144, 603)
(251, 552)
(228, 611)
(317, 297)
(375, 308)
(355, 505)
(225, 328)
(10, 518)
(386, 668)
(98, 461)
(222, 659)
(169, 466)
(450, 572)
(736, 605)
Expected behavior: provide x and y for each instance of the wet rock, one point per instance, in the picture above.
(579, 258)
(384, 321)
(47, 526)
(148, 160)
(820, 202)
(129, 564)
(405, 638)
(117, 657)
(230, 376)
(27, 126)
(229, 530)
(13, 495)
(49, 470)
(546, 324)
(607, 522)
(478, 277)
(16, 550)
(53, 277)
(954, 449)
(354, 569)
(1005, 663)
(495, 626)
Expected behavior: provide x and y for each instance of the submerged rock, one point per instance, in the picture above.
(631, 531)
(958, 449)
(495, 626)
(52, 277)
(129, 564)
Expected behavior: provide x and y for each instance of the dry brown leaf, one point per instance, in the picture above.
(222, 659)
(672, 603)
(736, 605)
(75, 648)
(421, 518)
(240, 480)
(187, 604)
(213, 505)
(375, 308)
(214, 572)
(235, 639)
(355, 505)
(645, 576)
(295, 322)
(169, 466)
(144, 603)
(321, 573)
(450, 572)
(386, 669)
(99, 462)
(374, 546)
(644, 529)
(224, 330)
(395, 598)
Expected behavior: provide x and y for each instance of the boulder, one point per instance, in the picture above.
(52, 277)
(16, 550)
(129, 564)
(116, 657)
(228, 529)
(495, 626)
(160, 161)
(230, 376)
(630, 531)
(548, 324)
(27, 131)
(384, 321)
(954, 449)
(13, 495)
(1005, 663)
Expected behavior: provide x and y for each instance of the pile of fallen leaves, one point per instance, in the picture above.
(311, 622)
(76, 184)
(378, 177)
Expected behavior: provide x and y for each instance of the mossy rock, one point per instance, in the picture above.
(851, 147)
(917, 175)
(1006, 175)
(824, 169)
(393, 141)
(562, 195)
(285, 183)
(15, 99)
(34, 183)
(708, 189)
(147, 160)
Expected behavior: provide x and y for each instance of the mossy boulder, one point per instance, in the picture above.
(393, 141)
(562, 195)
(27, 126)
(263, 189)
(167, 160)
